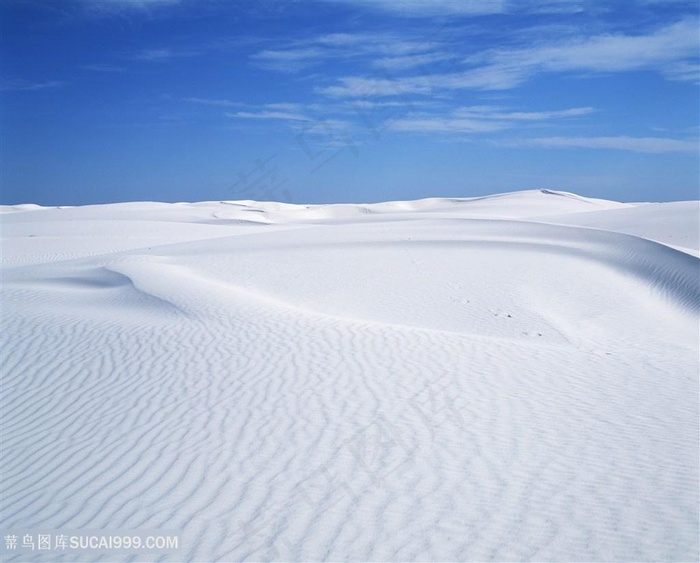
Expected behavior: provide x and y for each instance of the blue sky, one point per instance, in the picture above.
(347, 100)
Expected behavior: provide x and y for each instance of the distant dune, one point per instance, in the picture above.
(512, 377)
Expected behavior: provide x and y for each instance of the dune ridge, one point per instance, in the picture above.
(447, 379)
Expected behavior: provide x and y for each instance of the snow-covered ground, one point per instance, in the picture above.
(512, 377)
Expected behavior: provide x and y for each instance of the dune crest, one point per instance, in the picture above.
(511, 377)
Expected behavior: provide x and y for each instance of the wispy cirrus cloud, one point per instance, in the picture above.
(495, 112)
(279, 111)
(374, 104)
(288, 60)
(381, 49)
(361, 87)
(487, 78)
(123, 6)
(604, 53)
(624, 143)
(683, 71)
(163, 54)
(213, 102)
(388, 44)
(481, 119)
(404, 62)
(546, 6)
(469, 8)
(133, 3)
(447, 125)
(671, 51)
(28, 85)
(313, 126)
(103, 68)
(422, 8)
(268, 114)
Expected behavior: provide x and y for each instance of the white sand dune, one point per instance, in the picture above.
(504, 378)
(674, 224)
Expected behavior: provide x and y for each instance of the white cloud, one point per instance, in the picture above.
(492, 112)
(547, 6)
(211, 102)
(369, 104)
(136, 3)
(486, 78)
(154, 55)
(446, 125)
(421, 8)
(359, 87)
(683, 71)
(122, 5)
(124, 8)
(481, 119)
(671, 50)
(341, 39)
(411, 61)
(285, 111)
(103, 68)
(162, 54)
(268, 114)
(393, 50)
(288, 60)
(607, 53)
(384, 43)
(285, 106)
(634, 144)
(26, 85)
(432, 8)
